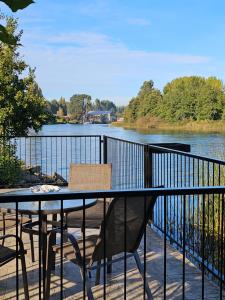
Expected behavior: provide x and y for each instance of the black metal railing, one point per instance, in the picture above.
(182, 288)
(137, 165)
(46, 159)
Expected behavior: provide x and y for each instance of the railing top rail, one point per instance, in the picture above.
(66, 195)
(205, 158)
(47, 136)
(125, 141)
(168, 150)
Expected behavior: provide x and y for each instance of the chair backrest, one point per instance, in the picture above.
(125, 216)
(90, 177)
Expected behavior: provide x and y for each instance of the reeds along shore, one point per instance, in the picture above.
(147, 123)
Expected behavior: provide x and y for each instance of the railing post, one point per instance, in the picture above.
(104, 149)
(148, 167)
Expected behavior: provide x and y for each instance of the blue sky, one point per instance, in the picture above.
(108, 48)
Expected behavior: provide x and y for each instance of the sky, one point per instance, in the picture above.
(108, 48)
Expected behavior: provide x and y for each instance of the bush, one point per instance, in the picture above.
(10, 165)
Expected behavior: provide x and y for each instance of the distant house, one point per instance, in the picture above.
(120, 119)
(99, 116)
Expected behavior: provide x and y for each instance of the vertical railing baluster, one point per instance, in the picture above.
(203, 246)
(61, 246)
(145, 244)
(104, 251)
(17, 249)
(84, 249)
(39, 251)
(165, 257)
(184, 245)
(125, 248)
(222, 263)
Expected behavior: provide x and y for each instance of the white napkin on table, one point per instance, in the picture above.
(44, 188)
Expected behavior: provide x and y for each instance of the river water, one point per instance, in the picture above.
(204, 144)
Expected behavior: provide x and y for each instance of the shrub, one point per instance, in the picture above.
(10, 165)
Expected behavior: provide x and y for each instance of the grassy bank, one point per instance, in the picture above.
(148, 123)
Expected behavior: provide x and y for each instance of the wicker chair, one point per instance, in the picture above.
(121, 231)
(89, 177)
(7, 254)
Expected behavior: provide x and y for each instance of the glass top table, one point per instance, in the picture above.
(45, 207)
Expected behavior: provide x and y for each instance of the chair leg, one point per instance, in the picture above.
(21, 231)
(109, 265)
(87, 284)
(138, 262)
(32, 247)
(24, 274)
(4, 232)
(48, 273)
(98, 273)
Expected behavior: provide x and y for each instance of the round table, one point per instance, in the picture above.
(43, 209)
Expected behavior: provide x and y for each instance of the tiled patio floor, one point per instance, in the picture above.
(72, 282)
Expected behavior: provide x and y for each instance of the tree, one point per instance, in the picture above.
(21, 100)
(193, 98)
(79, 104)
(108, 106)
(54, 106)
(97, 105)
(5, 36)
(149, 99)
(145, 103)
(62, 105)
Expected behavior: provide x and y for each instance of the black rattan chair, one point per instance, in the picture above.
(121, 231)
(7, 254)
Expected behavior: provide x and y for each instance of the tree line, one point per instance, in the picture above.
(78, 105)
(192, 98)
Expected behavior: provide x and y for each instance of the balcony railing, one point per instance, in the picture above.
(189, 212)
(183, 195)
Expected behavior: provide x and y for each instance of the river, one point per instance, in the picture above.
(205, 144)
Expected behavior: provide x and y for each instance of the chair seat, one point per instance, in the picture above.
(6, 254)
(93, 216)
(68, 250)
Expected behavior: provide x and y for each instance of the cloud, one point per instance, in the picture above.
(138, 21)
(94, 43)
(95, 64)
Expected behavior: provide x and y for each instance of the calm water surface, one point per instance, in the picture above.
(212, 145)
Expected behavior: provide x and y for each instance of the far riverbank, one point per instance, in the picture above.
(146, 123)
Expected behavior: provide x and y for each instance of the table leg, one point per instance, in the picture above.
(44, 246)
(54, 219)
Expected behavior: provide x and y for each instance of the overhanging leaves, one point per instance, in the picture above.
(15, 5)
(7, 38)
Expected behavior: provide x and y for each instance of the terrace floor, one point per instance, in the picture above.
(115, 282)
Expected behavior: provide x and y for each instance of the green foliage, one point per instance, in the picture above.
(184, 99)
(10, 165)
(193, 98)
(21, 100)
(146, 102)
(78, 104)
(14, 5)
(104, 105)
(5, 37)
(62, 106)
